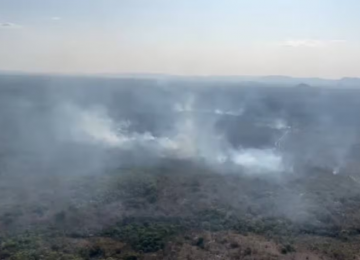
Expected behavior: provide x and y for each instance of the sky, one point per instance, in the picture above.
(302, 38)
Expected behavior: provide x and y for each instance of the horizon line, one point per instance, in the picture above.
(154, 74)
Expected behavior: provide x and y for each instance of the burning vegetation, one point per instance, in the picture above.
(126, 169)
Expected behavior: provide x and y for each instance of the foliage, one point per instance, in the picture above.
(143, 237)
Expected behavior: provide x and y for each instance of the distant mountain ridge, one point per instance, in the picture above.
(273, 80)
(285, 80)
(264, 80)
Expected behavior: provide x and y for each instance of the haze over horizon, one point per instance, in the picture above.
(179, 130)
(293, 38)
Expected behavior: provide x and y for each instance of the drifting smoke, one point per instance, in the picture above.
(229, 112)
(192, 138)
(259, 161)
(94, 126)
(54, 142)
(199, 131)
(279, 124)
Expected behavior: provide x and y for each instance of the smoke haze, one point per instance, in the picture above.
(81, 154)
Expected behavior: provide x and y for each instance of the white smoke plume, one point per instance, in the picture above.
(259, 161)
(191, 139)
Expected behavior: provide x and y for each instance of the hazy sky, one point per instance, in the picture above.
(203, 37)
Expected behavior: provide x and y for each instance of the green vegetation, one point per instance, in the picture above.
(143, 237)
(139, 213)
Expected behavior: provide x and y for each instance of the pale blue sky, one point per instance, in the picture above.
(202, 37)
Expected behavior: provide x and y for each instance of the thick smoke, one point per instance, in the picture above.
(259, 161)
(71, 131)
(250, 132)
(192, 137)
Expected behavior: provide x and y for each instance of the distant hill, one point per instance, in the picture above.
(349, 82)
(266, 80)
(285, 80)
(303, 85)
(278, 80)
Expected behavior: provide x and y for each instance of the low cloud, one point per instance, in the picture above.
(56, 18)
(310, 43)
(7, 25)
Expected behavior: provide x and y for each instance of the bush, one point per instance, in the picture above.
(136, 190)
(143, 237)
(200, 242)
(287, 249)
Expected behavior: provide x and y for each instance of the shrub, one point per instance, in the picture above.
(143, 237)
